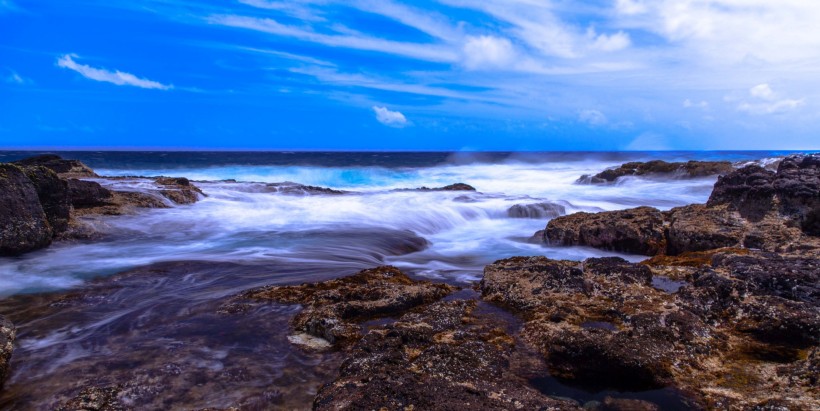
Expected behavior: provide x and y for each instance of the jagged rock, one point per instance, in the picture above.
(599, 323)
(86, 194)
(688, 169)
(451, 187)
(179, 190)
(95, 399)
(698, 228)
(637, 230)
(333, 308)
(53, 195)
(748, 190)
(7, 336)
(23, 223)
(290, 188)
(797, 186)
(537, 210)
(63, 168)
(439, 358)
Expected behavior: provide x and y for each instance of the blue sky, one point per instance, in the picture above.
(427, 74)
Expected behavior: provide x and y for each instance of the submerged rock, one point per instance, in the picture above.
(638, 230)
(290, 188)
(24, 225)
(451, 187)
(536, 210)
(7, 336)
(688, 169)
(179, 190)
(440, 357)
(333, 309)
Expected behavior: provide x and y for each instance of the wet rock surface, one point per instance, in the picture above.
(290, 188)
(333, 309)
(64, 168)
(43, 198)
(537, 210)
(23, 223)
(7, 336)
(736, 335)
(690, 169)
(451, 187)
(751, 207)
(637, 230)
(441, 357)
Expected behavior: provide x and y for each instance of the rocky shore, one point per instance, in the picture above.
(657, 168)
(724, 314)
(47, 198)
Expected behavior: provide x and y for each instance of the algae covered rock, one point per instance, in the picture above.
(333, 309)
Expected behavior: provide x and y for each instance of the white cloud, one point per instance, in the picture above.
(488, 52)
(766, 101)
(390, 118)
(592, 117)
(612, 42)
(630, 7)
(346, 38)
(115, 77)
(14, 78)
(703, 105)
(763, 91)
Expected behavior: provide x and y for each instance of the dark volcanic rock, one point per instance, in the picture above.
(290, 188)
(658, 167)
(53, 194)
(23, 223)
(451, 187)
(599, 324)
(438, 358)
(748, 190)
(95, 399)
(85, 194)
(179, 190)
(333, 308)
(697, 228)
(7, 336)
(637, 230)
(63, 168)
(537, 210)
(797, 186)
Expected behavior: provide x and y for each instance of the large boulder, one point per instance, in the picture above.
(688, 169)
(85, 194)
(63, 168)
(23, 223)
(179, 190)
(333, 309)
(748, 191)
(53, 194)
(7, 336)
(698, 228)
(797, 186)
(637, 230)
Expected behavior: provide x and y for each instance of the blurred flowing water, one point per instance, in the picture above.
(145, 296)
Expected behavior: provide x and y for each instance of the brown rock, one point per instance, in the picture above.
(698, 228)
(333, 308)
(637, 230)
(7, 336)
(87, 194)
(63, 168)
(688, 169)
(441, 357)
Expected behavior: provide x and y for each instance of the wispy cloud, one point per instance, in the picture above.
(766, 101)
(115, 77)
(389, 117)
(14, 78)
(592, 117)
(8, 6)
(427, 52)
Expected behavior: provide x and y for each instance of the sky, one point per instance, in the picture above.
(410, 75)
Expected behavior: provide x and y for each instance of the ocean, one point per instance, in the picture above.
(174, 267)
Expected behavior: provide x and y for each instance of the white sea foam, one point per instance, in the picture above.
(236, 222)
